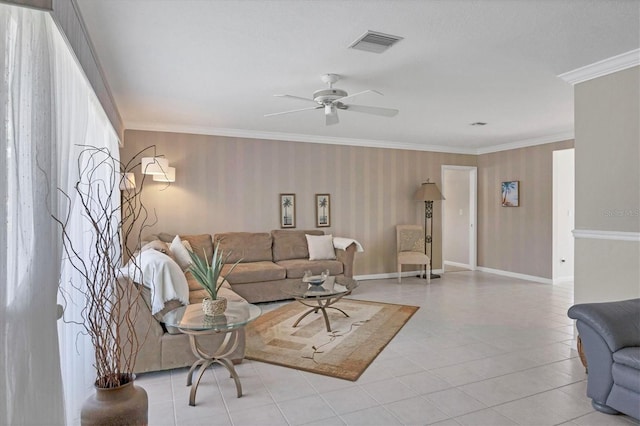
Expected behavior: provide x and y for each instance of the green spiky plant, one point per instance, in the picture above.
(207, 274)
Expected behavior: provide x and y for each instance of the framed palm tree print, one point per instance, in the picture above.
(511, 193)
(287, 210)
(323, 210)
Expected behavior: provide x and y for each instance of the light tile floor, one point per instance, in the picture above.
(481, 350)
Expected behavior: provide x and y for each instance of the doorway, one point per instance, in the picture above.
(563, 215)
(459, 215)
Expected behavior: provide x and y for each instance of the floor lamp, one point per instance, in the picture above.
(428, 192)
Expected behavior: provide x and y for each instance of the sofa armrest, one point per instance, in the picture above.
(618, 323)
(347, 257)
(147, 331)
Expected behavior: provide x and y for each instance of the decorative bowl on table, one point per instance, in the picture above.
(314, 280)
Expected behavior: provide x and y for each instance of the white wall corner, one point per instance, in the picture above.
(601, 68)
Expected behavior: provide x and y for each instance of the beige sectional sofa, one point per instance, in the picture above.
(266, 261)
(162, 347)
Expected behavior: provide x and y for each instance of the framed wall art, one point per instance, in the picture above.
(511, 193)
(287, 210)
(323, 210)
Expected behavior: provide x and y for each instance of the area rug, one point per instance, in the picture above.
(345, 352)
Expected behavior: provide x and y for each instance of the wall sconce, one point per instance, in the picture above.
(127, 181)
(154, 165)
(168, 176)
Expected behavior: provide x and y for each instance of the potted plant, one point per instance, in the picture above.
(208, 275)
(100, 226)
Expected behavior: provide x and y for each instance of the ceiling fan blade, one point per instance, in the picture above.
(293, 110)
(384, 112)
(341, 100)
(296, 97)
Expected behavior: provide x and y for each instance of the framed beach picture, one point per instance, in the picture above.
(323, 210)
(511, 193)
(287, 210)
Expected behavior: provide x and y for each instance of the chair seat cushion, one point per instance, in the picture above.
(412, 258)
(628, 356)
(254, 272)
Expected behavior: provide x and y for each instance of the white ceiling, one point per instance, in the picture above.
(213, 66)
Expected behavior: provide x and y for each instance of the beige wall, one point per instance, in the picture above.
(517, 239)
(232, 184)
(607, 157)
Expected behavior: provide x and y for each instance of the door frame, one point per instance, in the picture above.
(555, 274)
(473, 213)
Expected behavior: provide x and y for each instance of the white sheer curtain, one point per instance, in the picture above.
(48, 109)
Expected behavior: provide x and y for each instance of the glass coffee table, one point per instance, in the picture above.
(192, 321)
(320, 297)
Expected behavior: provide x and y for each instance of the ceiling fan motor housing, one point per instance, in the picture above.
(326, 96)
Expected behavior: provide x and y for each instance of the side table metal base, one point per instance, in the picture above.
(204, 360)
(323, 305)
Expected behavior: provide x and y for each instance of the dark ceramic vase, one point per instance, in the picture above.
(125, 405)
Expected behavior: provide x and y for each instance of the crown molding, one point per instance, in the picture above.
(557, 137)
(294, 137)
(368, 143)
(604, 67)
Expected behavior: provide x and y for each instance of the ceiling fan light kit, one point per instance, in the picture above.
(332, 99)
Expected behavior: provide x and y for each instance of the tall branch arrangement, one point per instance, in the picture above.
(100, 226)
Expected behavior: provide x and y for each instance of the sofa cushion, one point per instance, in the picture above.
(194, 285)
(162, 236)
(291, 244)
(296, 267)
(626, 377)
(254, 272)
(628, 356)
(245, 246)
(196, 296)
(200, 244)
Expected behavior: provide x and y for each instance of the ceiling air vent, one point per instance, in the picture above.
(375, 42)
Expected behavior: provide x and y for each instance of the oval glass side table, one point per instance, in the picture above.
(192, 321)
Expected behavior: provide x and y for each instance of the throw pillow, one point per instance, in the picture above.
(320, 247)
(180, 250)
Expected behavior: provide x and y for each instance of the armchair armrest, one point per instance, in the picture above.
(618, 323)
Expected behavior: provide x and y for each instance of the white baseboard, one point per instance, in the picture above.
(392, 275)
(515, 275)
(561, 280)
(458, 264)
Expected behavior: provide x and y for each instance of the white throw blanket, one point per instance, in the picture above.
(162, 275)
(343, 243)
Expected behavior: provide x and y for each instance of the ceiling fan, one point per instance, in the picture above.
(332, 100)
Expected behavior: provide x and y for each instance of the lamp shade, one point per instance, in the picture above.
(428, 192)
(127, 181)
(168, 176)
(154, 165)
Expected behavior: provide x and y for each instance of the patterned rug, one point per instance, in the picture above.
(345, 352)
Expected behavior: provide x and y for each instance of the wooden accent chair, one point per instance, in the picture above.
(410, 246)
